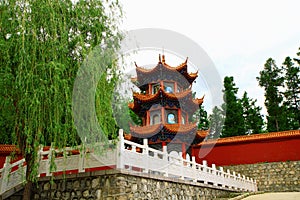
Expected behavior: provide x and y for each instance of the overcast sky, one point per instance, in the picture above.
(238, 35)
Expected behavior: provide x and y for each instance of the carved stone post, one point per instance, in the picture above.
(120, 150)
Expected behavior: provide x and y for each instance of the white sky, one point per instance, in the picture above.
(238, 35)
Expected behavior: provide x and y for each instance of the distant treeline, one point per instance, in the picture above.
(241, 116)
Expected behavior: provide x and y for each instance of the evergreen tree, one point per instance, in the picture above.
(42, 47)
(216, 119)
(203, 122)
(297, 59)
(252, 117)
(270, 78)
(292, 92)
(234, 121)
(200, 116)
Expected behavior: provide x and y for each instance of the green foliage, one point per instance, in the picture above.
(234, 121)
(203, 121)
(200, 116)
(135, 118)
(252, 117)
(216, 119)
(292, 92)
(270, 78)
(42, 46)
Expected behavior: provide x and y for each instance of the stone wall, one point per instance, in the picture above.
(120, 185)
(274, 176)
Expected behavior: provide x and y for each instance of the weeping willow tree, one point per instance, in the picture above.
(43, 44)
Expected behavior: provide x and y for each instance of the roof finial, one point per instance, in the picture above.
(159, 58)
(163, 55)
(186, 60)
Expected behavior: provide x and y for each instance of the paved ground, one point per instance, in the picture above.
(275, 196)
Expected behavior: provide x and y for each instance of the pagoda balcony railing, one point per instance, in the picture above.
(128, 156)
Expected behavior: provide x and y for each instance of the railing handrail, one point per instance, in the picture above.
(121, 157)
(179, 161)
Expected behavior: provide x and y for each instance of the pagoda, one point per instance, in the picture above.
(165, 103)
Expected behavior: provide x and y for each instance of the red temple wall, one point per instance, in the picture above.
(249, 152)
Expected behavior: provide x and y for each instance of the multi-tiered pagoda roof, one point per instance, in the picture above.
(165, 103)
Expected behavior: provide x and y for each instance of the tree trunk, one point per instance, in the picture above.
(277, 125)
(28, 185)
(27, 191)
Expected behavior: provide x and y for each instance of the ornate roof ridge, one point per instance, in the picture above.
(146, 130)
(133, 79)
(199, 101)
(202, 133)
(176, 95)
(173, 128)
(167, 66)
(131, 105)
(163, 62)
(253, 137)
(177, 68)
(193, 74)
(180, 127)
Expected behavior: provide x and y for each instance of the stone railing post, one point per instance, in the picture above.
(239, 182)
(205, 170)
(194, 169)
(234, 184)
(40, 159)
(165, 161)
(255, 185)
(120, 150)
(248, 184)
(244, 185)
(146, 155)
(48, 163)
(222, 174)
(228, 179)
(81, 158)
(214, 173)
(5, 174)
(181, 166)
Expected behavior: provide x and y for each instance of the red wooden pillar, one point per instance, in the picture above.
(163, 120)
(192, 152)
(163, 144)
(148, 118)
(150, 89)
(179, 116)
(183, 150)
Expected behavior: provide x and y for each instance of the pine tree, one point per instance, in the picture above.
(234, 121)
(270, 78)
(297, 60)
(252, 117)
(203, 122)
(216, 119)
(292, 92)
